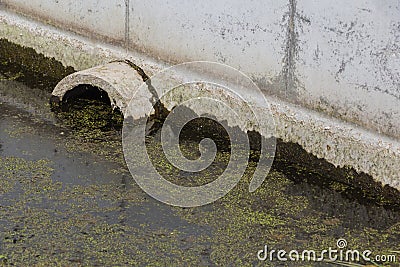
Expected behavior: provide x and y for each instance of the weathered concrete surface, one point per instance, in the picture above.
(340, 143)
(86, 17)
(349, 60)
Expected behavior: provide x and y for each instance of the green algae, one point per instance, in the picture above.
(90, 115)
(243, 222)
(16, 170)
(87, 225)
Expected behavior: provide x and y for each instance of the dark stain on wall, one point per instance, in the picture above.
(127, 28)
(288, 81)
(291, 51)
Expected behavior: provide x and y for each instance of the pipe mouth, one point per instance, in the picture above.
(86, 109)
(81, 91)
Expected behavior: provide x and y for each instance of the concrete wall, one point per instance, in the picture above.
(340, 57)
(100, 19)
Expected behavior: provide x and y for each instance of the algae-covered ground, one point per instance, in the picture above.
(68, 199)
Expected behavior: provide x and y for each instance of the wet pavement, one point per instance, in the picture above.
(67, 199)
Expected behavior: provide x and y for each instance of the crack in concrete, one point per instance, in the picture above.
(159, 108)
(288, 71)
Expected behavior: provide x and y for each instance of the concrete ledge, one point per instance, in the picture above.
(342, 144)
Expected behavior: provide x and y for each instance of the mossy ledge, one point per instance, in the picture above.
(25, 65)
(294, 161)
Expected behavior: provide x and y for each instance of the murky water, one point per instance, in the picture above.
(52, 180)
(68, 199)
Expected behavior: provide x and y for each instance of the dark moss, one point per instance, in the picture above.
(25, 65)
(294, 161)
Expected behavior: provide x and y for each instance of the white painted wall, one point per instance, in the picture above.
(341, 57)
(99, 18)
(350, 60)
(244, 34)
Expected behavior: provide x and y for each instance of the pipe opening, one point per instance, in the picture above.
(87, 108)
(86, 91)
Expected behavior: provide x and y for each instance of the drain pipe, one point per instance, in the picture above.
(119, 79)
